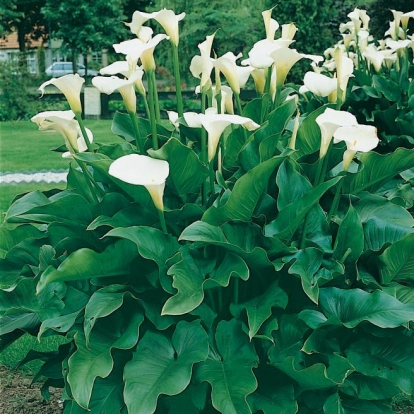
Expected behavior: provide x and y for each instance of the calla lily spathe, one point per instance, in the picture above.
(169, 21)
(125, 87)
(202, 65)
(329, 121)
(63, 122)
(319, 84)
(271, 25)
(236, 76)
(143, 170)
(215, 124)
(143, 33)
(358, 138)
(71, 86)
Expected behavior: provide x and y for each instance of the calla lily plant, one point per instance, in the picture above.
(254, 256)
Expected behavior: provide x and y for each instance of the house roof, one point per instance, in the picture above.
(11, 42)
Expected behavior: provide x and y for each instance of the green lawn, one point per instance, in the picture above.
(24, 148)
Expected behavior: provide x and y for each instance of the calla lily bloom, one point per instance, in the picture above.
(288, 31)
(358, 138)
(374, 56)
(319, 84)
(236, 76)
(328, 122)
(63, 122)
(143, 33)
(143, 170)
(404, 19)
(71, 86)
(226, 99)
(169, 21)
(259, 54)
(271, 25)
(284, 59)
(201, 66)
(215, 124)
(125, 87)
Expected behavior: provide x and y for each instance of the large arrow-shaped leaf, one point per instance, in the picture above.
(161, 366)
(86, 264)
(230, 373)
(87, 363)
(351, 307)
(377, 170)
(397, 261)
(244, 196)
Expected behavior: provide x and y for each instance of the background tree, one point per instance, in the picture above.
(25, 17)
(87, 26)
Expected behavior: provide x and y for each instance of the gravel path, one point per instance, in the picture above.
(34, 177)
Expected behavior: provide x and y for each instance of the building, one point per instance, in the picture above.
(9, 50)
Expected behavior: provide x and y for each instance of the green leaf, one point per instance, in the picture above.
(244, 196)
(259, 309)
(349, 241)
(278, 400)
(88, 363)
(333, 405)
(102, 303)
(243, 240)
(383, 221)
(11, 237)
(351, 307)
(388, 358)
(308, 139)
(378, 169)
(292, 216)
(369, 387)
(160, 366)
(230, 372)
(85, 264)
(306, 265)
(317, 376)
(397, 261)
(390, 89)
(189, 277)
(187, 173)
(25, 203)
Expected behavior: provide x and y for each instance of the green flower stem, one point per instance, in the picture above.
(153, 121)
(268, 80)
(212, 176)
(134, 120)
(204, 147)
(155, 96)
(335, 202)
(88, 180)
(162, 221)
(147, 110)
(83, 130)
(180, 107)
(238, 104)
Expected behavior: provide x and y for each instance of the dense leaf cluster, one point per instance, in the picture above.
(281, 284)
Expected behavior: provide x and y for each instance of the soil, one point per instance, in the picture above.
(19, 396)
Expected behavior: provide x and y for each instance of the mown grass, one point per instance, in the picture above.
(24, 148)
(16, 352)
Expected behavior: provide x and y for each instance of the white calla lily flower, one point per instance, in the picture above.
(215, 124)
(358, 138)
(236, 76)
(169, 21)
(143, 170)
(71, 86)
(284, 59)
(319, 84)
(125, 87)
(374, 57)
(405, 18)
(329, 121)
(63, 122)
(288, 31)
(143, 33)
(271, 25)
(201, 66)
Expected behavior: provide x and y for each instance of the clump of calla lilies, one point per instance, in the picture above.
(254, 256)
(268, 64)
